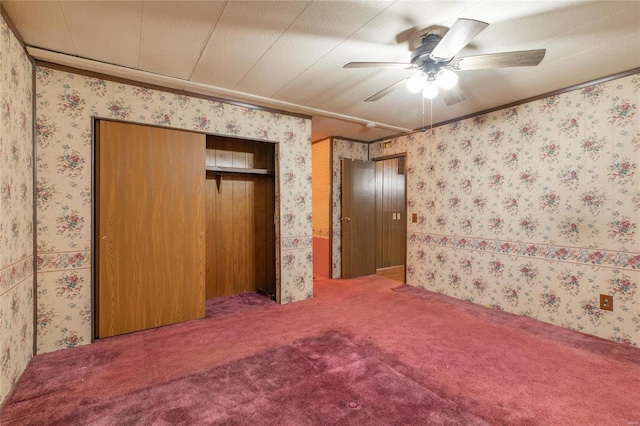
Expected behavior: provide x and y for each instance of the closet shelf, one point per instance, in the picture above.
(223, 170)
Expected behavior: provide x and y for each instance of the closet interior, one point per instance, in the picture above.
(240, 206)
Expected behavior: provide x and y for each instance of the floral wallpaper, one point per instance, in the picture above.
(342, 148)
(65, 104)
(533, 209)
(16, 210)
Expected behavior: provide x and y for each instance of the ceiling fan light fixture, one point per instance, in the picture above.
(434, 50)
(430, 90)
(447, 79)
(416, 83)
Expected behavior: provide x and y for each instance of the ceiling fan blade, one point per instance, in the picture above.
(522, 58)
(396, 65)
(460, 34)
(452, 96)
(384, 92)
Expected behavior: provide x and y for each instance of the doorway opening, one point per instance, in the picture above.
(321, 214)
(391, 220)
(374, 218)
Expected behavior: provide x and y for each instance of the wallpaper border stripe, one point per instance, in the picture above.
(292, 243)
(594, 257)
(56, 261)
(13, 274)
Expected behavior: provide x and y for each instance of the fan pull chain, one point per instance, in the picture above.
(424, 129)
(422, 113)
(431, 116)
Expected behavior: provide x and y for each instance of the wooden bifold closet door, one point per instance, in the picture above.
(150, 227)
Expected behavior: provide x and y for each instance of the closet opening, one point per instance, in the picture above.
(240, 210)
(180, 217)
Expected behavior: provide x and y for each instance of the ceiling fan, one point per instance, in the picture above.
(433, 51)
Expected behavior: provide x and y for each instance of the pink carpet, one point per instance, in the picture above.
(363, 351)
(236, 303)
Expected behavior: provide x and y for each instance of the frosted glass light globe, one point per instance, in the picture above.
(430, 90)
(447, 79)
(416, 83)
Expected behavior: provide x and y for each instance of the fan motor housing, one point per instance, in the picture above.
(422, 55)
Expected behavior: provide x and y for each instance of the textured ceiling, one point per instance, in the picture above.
(289, 54)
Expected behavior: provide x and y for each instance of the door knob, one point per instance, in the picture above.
(346, 219)
(104, 237)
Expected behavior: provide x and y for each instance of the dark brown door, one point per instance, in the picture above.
(150, 227)
(358, 218)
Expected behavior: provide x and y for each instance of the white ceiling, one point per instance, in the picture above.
(289, 54)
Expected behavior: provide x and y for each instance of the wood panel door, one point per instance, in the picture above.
(150, 227)
(358, 218)
(390, 213)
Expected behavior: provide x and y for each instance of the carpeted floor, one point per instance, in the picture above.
(363, 351)
(236, 303)
(325, 379)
